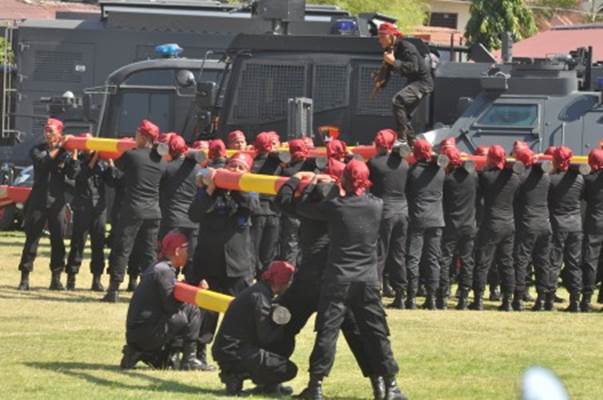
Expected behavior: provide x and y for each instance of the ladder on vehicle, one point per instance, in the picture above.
(8, 91)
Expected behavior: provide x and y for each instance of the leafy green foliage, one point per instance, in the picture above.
(3, 48)
(490, 18)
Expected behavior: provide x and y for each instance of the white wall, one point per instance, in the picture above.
(461, 8)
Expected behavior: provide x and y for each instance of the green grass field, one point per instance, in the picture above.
(67, 346)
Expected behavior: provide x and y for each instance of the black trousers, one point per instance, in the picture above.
(453, 244)
(404, 103)
(533, 247)
(424, 246)
(128, 232)
(35, 221)
(391, 250)
(289, 239)
(364, 301)
(87, 221)
(182, 325)
(491, 246)
(264, 367)
(591, 252)
(265, 236)
(192, 235)
(301, 299)
(566, 250)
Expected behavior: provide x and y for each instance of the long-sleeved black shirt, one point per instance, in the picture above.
(353, 226)
(424, 190)
(388, 173)
(410, 64)
(142, 172)
(50, 183)
(460, 192)
(593, 193)
(153, 300)
(247, 325)
(313, 234)
(565, 194)
(532, 209)
(266, 164)
(497, 189)
(89, 183)
(178, 189)
(294, 167)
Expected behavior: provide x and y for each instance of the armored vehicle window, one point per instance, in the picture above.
(510, 115)
(136, 106)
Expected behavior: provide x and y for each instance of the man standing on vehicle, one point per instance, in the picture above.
(402, 57)
(46, 205)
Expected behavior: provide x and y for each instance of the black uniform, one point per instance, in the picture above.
(290, 225)
(419, 83)
(89, 213)
(424, 188)
(460, 192)
(140, 214)
(533, 238)
(155, 317)
(388, 173)
(350, 281)
(302, 298)
(46, 205)
(246, 336)
(497, 189)
(565, 194)
(265, 220)
(178, 189)
(224, 255)
(593, 230)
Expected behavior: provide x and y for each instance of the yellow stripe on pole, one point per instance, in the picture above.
(213, 301)
(257, 183)
(102, 144)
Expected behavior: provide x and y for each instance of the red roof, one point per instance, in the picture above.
(18, 10)
(562, 40)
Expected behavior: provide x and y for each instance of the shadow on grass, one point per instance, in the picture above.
(11, 293)
(86, 372)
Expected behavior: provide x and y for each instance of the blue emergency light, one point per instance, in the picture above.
(168, 50)
(345, 27)
(600, 83)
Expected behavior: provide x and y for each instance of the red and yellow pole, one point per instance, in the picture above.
(16, 194)
(206, 299)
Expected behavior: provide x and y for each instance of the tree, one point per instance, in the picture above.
(410, 13)
(490, 18)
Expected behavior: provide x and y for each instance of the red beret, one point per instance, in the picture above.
(385, 138)
(356, 174)
(298, 149)
(496, 157)
(562, 157)
(595, 159)
(177, 145)
(55, 124)
(217, 149)
(171, 242)
(422, 150)
(389, 29)
(264, 142)
(525, 155)
(278, 273)
(149, 129)
(241, 158)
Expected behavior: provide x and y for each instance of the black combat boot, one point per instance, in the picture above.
(387, 289)
(549, 301)
(478, 302)
(132, 282)
(55, 281)
(600, 296)
(421, 292)
(111, 296)
(273, 390)
(378, 385)
(573, 306)
(585, 305)
(442, 299)
(190, 362)
(506, 303)
(410, 303)
(97, 286)
(398, 302)
(494, 293)
(430, 303)
(313, 391)
(70, 281)
(233, 382)
(527, 297)
(202, 357)
(518, 301)
(130, 357)
(24, 284)
(462, 303)
(392, 391)
(539, 303)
